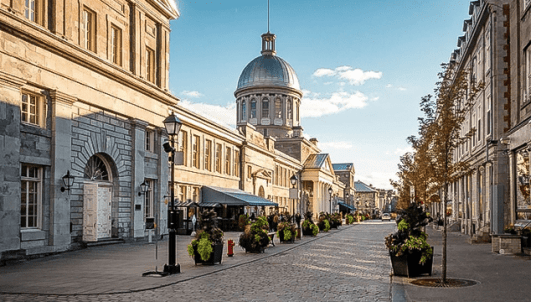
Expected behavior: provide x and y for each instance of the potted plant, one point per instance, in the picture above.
(308, 226)
(335, 220)
(255, 239)
(243, 220)
(323, 222)
(286, 231)
(207, 247)
(349, 219)
(410, 254)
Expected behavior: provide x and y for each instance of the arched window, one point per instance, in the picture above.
(244, 115)
(261, 192)
(289, 109)
(253, 109)
(96, 169)
(278, 108)
(265, 108)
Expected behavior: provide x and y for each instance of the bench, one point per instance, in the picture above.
(271, 236)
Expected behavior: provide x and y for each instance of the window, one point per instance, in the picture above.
(149, 140)
(116, 45)
(149, 199)
(473, 121)
(218, 158)
(253, 109)
(289, 109)
(473, 71)
(244, 115)
(488, 49)
(150, 65)
(265, 108)
(488, 114)
(89, 30)
(30, 204)
(33, 11)
(526, 80)
(228, 161)
(33, 109)
(278, 108)
(236, 163)
(208, 155)
(195, 195)
(195, 151)
(181, 193)
(478, 125)
(183, 145)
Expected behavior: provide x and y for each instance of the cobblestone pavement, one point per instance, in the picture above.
(350, 265)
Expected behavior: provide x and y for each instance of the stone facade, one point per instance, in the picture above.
(84, 90)
(493, 51)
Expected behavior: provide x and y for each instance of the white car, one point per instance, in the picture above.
(386, 216)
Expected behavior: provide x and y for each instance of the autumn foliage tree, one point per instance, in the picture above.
(432, 165)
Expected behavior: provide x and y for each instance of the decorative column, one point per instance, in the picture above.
(60, 202)
(10, 100)
(138, 176)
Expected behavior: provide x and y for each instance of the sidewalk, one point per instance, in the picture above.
(118, 268)
(499, 277)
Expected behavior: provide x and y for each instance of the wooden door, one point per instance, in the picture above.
(89, 232)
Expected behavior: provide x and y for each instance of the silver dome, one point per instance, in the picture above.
(268, 71)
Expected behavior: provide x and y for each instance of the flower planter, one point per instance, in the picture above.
(307, 232)
(257, 249)
(408, 265)
(282, 235)
(215, 256)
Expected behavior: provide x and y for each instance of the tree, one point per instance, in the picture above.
(431, 166)
(444, 117)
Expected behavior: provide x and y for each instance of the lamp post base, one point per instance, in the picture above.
(172, 269)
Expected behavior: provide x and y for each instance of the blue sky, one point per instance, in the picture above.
(362, 65)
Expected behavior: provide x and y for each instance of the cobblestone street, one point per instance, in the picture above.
(348, 265)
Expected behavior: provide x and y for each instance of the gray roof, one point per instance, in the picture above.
(268, 71)
(315, 160)
(362, 188)
(342, 167)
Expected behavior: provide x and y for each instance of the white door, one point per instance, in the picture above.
(89, 230)
(104, 221)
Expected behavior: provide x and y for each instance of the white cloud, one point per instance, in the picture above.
(335, 145)
(220, 114)
(192, 94)
(338, 101)
(400, 151)
(389, 86)
(322, 72)
(355, 76)
(402, 88)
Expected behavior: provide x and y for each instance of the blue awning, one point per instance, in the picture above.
(210, 204)
(347, 206)
(233, 197)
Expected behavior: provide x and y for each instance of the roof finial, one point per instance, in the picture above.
(268, 15)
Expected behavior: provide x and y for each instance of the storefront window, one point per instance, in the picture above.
(523, 184)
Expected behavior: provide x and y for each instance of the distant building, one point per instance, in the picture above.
(366, 198)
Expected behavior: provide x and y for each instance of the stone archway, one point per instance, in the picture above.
(100, 198)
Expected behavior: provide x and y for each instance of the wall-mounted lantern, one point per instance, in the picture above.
(68, 181)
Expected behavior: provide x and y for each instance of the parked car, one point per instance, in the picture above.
(386, 216)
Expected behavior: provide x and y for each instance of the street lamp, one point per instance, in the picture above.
(144, 187)
(68, 181)
(330, 191)
(173, 126)
(293, 181)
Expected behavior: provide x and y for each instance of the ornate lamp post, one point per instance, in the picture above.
(173, 125)
(330, 191)
(293, 181)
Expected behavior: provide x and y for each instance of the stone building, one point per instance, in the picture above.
(75, 78)
(366, 198)
(84, 90)
(494, 51)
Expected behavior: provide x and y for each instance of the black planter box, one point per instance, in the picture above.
(258, 249)
(282, 235)
(215, 256)
(307, 232)
(408, 265)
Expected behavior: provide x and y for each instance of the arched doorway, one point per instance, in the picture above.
(98, 194)
(261, 191)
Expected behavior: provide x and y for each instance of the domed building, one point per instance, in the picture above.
(268, 94)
